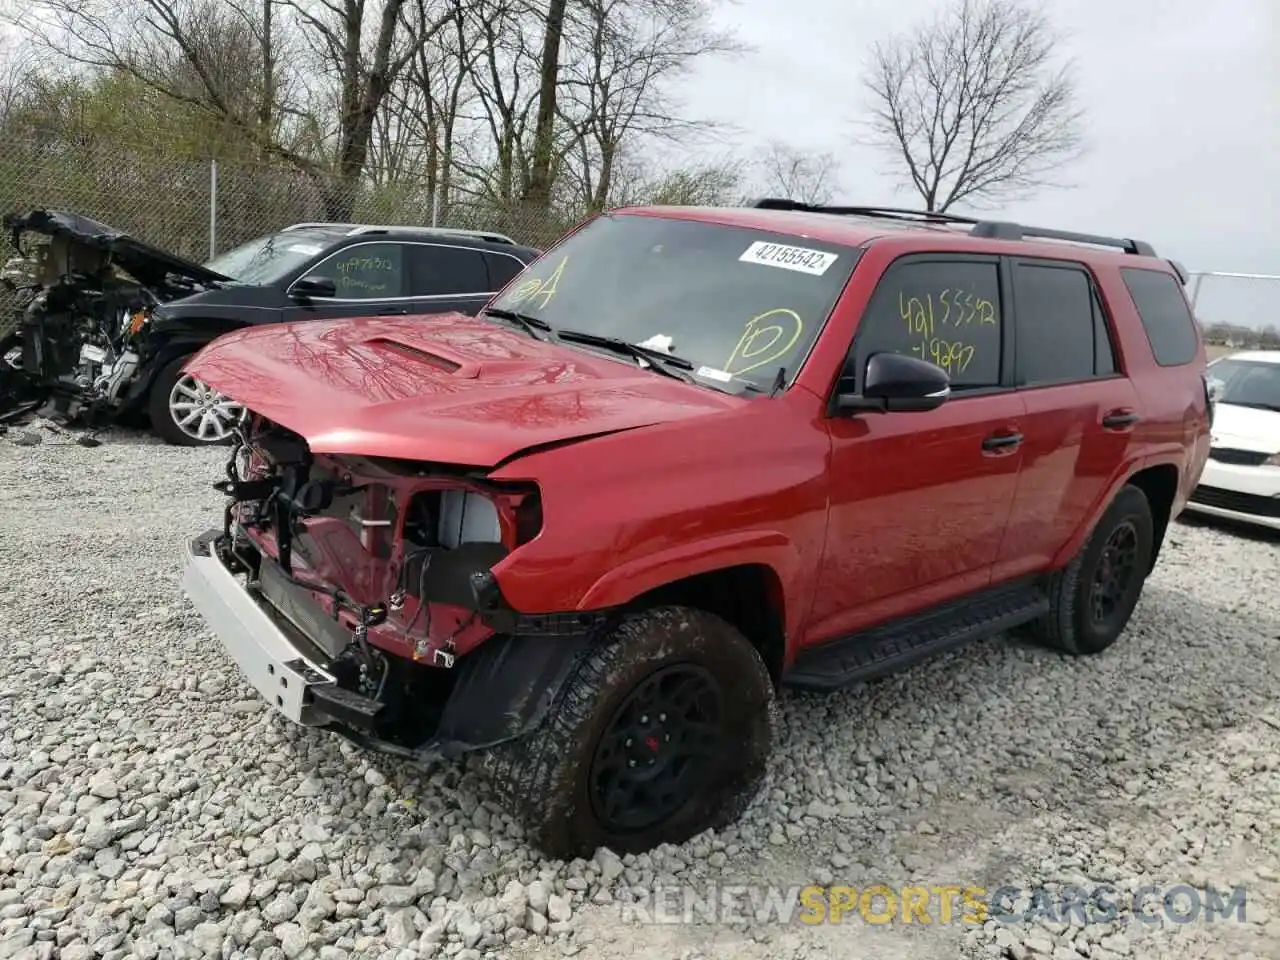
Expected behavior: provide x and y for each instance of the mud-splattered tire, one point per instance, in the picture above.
(1077, 623)
(609, 730)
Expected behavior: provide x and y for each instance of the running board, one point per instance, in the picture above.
(892, 646)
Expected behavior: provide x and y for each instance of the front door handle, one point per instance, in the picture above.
(1119, 419)
(393, 312)
(1002, 441)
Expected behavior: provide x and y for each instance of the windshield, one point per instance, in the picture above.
(738, 304)
(1247, 383)
(270, 258)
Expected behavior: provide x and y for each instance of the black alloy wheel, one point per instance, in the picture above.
(656, 752)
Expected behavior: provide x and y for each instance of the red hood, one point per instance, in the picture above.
(446, 388)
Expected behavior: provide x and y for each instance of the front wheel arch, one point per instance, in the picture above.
(546, 779)
(747, 596)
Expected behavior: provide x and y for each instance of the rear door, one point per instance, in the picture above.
(503, 268)
(1081, 410)
(445, 277)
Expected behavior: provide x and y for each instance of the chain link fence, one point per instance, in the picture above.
(195, 208)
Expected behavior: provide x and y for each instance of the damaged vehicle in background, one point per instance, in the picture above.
(107, 322)
(84, 296)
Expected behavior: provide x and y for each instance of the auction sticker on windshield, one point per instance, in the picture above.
(802, 259)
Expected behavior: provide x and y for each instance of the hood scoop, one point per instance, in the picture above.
(437, 359)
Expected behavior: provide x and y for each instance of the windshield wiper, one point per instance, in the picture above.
(531, 325)
(668, 363)
(779, 382)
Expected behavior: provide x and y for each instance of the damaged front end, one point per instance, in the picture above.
(357, 594)
(84, 295)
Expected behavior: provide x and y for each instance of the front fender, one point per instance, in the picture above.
(164, 346)
(768, 548)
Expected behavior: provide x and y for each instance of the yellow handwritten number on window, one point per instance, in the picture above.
(955, 309)
(952, 356)
(959, 308)
(766, 339)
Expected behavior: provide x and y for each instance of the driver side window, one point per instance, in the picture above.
(945, 311)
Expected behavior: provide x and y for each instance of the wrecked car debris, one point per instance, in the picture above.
(85, 295)
(95, 346)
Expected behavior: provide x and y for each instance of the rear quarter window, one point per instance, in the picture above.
(1170, 328)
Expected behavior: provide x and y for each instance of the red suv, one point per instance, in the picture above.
(687, 456)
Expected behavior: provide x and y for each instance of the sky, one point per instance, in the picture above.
(1182, 103)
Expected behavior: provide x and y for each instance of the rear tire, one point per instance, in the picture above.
(1092, 598)
(165, 417)
(663, 731)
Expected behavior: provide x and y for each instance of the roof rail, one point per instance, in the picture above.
(996, 230)
(989, 229)
(490, 235)
(304, 226)
(355, 229)
(888, 213)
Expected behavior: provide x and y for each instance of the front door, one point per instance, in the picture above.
(371, 278)
(919, 501)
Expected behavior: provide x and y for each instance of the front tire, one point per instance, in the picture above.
(186, 412)
(1092, 598)
(663, 731)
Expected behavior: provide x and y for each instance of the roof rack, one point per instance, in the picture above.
(996, 230)
(317, 223)
(355, 229)
(989, 229)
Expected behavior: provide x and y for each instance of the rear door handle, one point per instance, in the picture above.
(1119, 420)
(393, 312)
(1002, 441)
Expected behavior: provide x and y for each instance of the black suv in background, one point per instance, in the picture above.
(91, 338)
(315, 271)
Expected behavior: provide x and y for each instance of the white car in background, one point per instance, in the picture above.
(1241, 480)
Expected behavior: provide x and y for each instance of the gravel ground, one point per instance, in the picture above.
(151, 807)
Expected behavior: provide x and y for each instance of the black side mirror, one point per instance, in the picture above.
(895, 382)
(313, 286)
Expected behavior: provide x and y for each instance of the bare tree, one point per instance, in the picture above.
(712, 184)
(973, 105)
(625, 57)
(198, 53)
(366, 62)
(784, 171)
(209, 54)
(538, 185)
(505, 77)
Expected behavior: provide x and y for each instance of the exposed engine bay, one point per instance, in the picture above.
(85, 294)
(384, 568)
